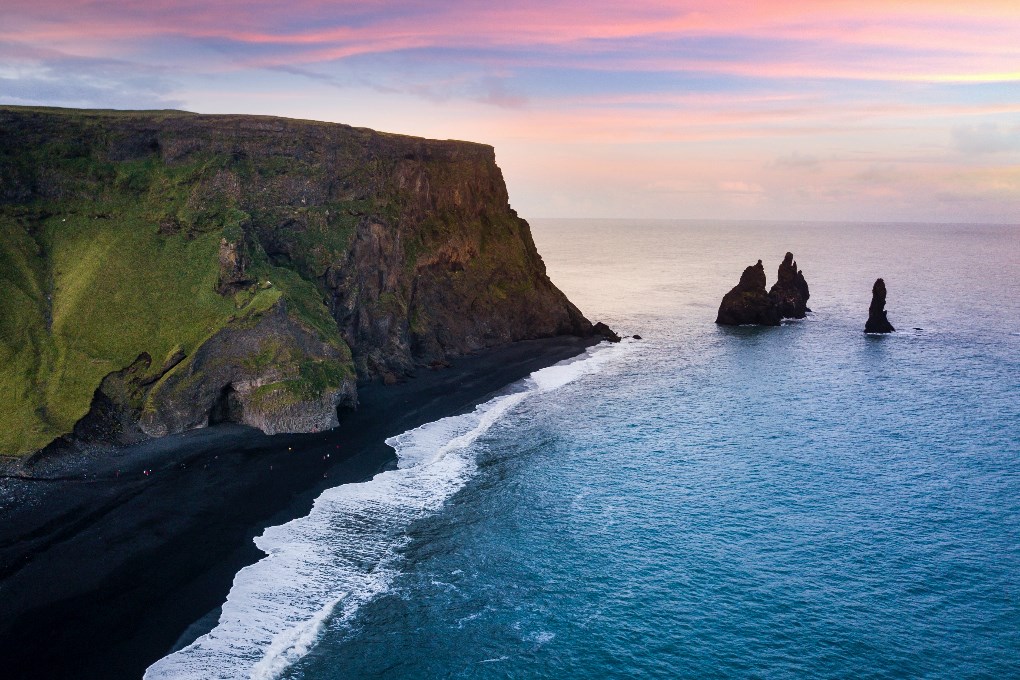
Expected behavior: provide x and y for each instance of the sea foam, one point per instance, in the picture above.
(345, 552)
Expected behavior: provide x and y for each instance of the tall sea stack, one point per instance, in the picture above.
(877, 321)
(748, 302)
(790, 292)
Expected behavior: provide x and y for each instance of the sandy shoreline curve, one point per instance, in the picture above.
(105, 563)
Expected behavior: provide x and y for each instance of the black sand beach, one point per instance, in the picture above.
(104, 567)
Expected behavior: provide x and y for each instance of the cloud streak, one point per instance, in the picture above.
(943, 42)
(774, 105)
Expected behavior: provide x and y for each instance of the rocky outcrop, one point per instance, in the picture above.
(790, 292)
(748, 302)
(877, 320)
(234, 266)
(604, 331)
(271, 373)
(276, 261)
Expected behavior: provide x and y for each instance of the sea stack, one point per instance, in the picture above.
(748, 302)
(877, 321)
(790, 292)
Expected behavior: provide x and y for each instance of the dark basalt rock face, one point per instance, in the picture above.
(790, 292)
(606, 332)
(748, 302)
(234, 265)
(877, 320)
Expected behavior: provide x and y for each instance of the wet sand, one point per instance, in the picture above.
(103, 568)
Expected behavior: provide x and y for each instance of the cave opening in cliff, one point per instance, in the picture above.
(227, 407)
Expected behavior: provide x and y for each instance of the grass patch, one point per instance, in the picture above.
(316, 378)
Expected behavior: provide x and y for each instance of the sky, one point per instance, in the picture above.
(862, 110)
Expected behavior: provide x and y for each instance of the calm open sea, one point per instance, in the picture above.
(801, 501)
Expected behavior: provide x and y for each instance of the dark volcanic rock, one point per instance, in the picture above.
(605, 331)
(877, 321)
(748, 302)
(790, 292)
(234, 263)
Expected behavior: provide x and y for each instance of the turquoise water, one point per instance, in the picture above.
(802, 501)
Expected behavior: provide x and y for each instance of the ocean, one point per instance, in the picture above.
(800, 501)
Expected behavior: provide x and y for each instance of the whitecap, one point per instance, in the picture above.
(494, 659)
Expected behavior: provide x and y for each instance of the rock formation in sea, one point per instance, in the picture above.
(877, 320)
(163, 270)
(790, 292)
(606, 332)
(748, 302)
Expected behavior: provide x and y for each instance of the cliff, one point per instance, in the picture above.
(162, 270)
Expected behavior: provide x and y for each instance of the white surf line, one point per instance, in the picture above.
(345, 551)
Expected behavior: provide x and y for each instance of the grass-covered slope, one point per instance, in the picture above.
(103, 290)
(161, 269)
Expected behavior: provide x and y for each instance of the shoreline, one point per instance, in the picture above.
(103, 568)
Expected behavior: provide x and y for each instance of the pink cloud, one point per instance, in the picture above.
(944, 41)
(717, 118)
(789, 140)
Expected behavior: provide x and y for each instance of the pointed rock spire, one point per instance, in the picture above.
(790, 292)
(877, 321)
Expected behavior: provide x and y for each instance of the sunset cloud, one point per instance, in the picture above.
(986, 139)
(782, 88)
(978, 38)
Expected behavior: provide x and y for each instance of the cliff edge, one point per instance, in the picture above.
(163, 270)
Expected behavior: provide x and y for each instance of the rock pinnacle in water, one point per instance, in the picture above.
(877, 321)
(748, 302)
(790, 292)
